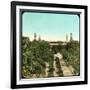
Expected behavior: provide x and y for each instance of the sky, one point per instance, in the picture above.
(50, 26)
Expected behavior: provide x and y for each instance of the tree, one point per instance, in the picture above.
(35, 55)
(25, 56)
(71, 54)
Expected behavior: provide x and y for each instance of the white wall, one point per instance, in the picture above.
(5, 44)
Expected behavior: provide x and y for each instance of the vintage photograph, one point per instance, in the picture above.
(50, 45)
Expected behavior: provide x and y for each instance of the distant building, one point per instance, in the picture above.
(57, 43)
(62, 42)
(54, 43)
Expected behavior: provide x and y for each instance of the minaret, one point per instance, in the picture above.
(71, 37)
(35, 35)
(66, 38)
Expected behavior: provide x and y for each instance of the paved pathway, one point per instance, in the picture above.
(46, 69)
(55, 69)
(66, 70)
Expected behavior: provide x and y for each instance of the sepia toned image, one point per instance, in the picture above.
(50, 45)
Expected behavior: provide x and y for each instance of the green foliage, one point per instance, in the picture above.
(35, 54)
(55, 49)
(25, 56)
(71, 54)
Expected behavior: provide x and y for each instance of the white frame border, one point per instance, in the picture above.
(54, 79)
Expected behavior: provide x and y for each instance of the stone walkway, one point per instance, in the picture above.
(46, 70)
(66, 70)
(55, 69)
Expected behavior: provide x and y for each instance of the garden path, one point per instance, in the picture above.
(66, 70)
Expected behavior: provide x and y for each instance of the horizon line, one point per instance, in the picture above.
(63, 40)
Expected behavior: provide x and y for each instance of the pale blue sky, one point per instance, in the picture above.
(50, 26)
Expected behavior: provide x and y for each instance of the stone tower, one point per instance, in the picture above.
(39, 38)
(35, 36)
(71, 37)
(66, 38)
